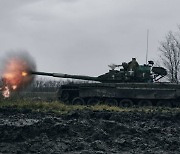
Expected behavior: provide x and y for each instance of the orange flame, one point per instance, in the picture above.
(6, 92)
(24, 74)
(15, 76)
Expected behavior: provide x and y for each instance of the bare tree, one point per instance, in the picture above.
(170, 56)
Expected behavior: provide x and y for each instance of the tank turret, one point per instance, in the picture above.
(126, 72)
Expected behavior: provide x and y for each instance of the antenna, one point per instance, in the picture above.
(147, 45)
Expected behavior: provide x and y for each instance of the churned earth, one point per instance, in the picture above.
(89, 132)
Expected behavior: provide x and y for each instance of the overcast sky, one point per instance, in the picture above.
(84, 36)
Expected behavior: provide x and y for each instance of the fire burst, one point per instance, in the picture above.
(6, 92)
(16, 75)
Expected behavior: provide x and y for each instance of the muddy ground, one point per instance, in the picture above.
(89, 132)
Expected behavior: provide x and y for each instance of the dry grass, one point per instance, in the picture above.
(59, 107)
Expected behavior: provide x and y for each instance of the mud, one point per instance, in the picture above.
(89, 132)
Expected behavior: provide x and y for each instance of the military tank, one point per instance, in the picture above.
(126, 85)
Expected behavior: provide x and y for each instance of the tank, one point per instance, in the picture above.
(126, 85)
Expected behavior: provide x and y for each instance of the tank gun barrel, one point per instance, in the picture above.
(61, 75)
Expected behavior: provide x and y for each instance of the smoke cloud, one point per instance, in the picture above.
(16, 68)
(27, 60)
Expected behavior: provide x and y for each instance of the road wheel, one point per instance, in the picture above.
(126, 103)
(93, 101)
(78, 101)
(64, 96)
(142, 103)
(164, 103)
(111, 102)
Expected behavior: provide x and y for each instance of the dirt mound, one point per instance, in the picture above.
(86, 132)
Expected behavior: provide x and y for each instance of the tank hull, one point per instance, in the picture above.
(121, 94)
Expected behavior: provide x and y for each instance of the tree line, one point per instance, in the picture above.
(49, 85)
